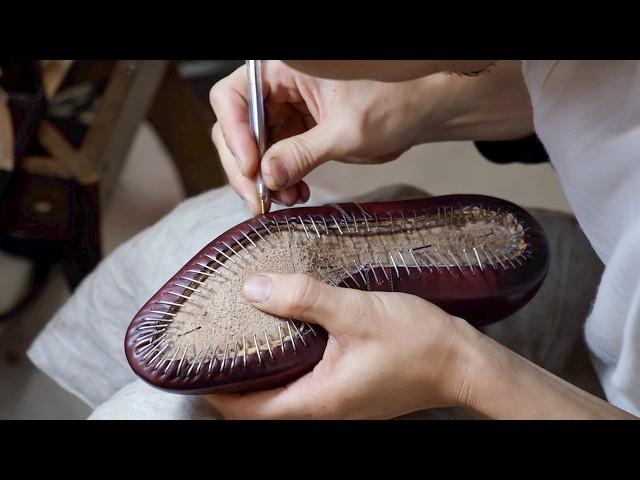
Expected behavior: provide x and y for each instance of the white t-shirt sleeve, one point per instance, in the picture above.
(617, 310)
(587, 115)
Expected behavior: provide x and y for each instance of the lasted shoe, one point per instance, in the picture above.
(477, 257)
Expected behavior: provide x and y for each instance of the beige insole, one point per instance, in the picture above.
(216, 317)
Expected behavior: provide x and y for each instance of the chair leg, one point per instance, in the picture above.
(184, 125)
(83, 252)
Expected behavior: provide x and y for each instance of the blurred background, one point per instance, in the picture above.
(92, 152)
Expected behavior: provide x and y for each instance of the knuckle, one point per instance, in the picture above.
(214, 94)
(221, 88)
(303, 151)
(215, 131)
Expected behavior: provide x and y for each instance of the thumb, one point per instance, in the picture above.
(291, 159)
(301, 297)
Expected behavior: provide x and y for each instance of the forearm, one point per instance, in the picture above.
(492, 106)
(383, 70)
(500, 384)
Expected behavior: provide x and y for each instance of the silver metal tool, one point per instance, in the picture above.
(256, 121)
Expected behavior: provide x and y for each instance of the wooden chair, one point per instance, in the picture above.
(60, 158)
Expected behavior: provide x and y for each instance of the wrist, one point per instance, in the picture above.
(462, 357)
(477, 364)
(437, 108)
(482, 368)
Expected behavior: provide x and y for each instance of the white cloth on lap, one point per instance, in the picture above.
(82, 347)
(140, 401)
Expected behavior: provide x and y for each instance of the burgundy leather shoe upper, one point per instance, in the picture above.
(477, 257)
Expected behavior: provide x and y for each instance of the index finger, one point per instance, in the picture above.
(229, 101)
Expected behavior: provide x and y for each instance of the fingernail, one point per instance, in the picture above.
(275, 169)
(258, 288)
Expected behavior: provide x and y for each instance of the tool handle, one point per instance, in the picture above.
(256, 121)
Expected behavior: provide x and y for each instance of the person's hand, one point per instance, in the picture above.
(388, 354)
(310, 121)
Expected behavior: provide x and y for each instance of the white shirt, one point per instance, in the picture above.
(587, 115)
